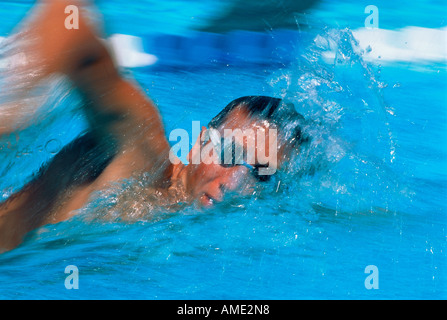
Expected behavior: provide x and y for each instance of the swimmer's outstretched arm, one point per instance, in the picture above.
(117, 108)
(119, 113)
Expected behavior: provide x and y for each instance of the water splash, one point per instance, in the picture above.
(348, 163)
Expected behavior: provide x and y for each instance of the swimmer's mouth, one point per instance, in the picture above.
(207, 200)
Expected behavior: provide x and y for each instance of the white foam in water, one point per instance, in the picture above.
(410, 44)
(128, 51)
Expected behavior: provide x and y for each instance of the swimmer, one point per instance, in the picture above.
(126, 137)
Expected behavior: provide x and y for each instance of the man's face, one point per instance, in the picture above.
(247, 153)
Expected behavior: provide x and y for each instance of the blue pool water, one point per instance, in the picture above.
(377, 195)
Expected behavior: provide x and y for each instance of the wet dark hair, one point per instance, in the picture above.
(267, 108)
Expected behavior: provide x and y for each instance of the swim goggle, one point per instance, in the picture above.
(228, 155)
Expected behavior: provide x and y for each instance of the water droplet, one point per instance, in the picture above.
(53, 146)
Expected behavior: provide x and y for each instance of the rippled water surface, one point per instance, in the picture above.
(370, 189)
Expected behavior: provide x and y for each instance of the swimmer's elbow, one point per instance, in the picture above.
(3, 131)
(8, 127)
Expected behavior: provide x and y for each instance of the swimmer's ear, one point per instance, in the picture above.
(194, 154)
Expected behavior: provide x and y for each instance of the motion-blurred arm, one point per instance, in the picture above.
(117, 109)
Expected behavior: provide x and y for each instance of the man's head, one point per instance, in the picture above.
(246, 143)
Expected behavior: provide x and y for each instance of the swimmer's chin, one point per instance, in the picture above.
(206, 201)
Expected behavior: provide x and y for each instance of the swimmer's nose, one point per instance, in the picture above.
(219, 188)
